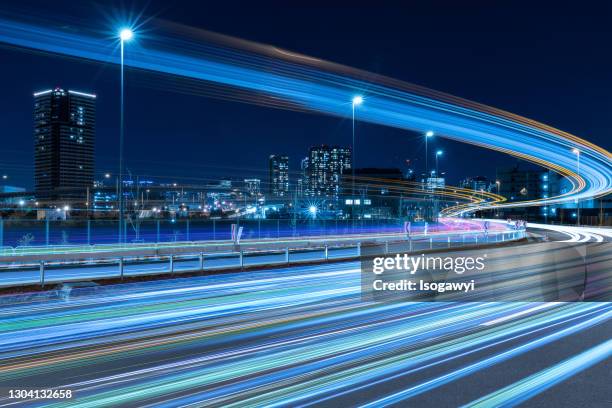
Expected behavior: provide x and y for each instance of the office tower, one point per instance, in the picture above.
(251, 186)
(279, 176)
(64, 136)
(326, 164)
(304, 181)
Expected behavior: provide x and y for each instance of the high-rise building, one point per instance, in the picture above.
(252, 186)
(64, 136)
(304, 180)
(326, 164)
(278, 176)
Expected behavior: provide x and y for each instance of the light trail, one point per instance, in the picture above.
(327, 88)
(524, 389)
(295, 336)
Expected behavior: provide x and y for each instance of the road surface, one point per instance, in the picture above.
(299, 336)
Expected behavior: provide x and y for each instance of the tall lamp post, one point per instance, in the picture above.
(124, 35)
(577, 153)
(498, 184)
(357, 100)
(435, 185)
(438, 154)
(428, 134)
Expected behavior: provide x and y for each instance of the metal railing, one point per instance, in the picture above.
(57, 264)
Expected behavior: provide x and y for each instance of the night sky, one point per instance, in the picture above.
(551, 63)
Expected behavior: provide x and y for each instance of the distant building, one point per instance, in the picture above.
(435, 182)
(64, 133)
(517, 184)
(373, 199)
(304, 180)
(252, 186)
(326, 165)
(225, 183)
(478, 183)
(525, 184)
(278, 171)
(104, 200)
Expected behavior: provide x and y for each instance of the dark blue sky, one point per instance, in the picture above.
(548, 62)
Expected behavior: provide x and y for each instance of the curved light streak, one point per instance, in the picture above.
(327, 88)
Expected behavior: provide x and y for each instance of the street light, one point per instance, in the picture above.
(357, 100)
(428, 134)
(313, 210)
(577, 153)
(438, 154)
(125, 34)
(498, 184)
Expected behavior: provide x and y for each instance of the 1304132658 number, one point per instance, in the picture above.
(40, 394)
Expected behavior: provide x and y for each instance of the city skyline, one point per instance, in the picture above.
(275, 129)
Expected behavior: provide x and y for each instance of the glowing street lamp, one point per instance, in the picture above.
(125, 34)
(577, 153)
(313, 211)
(498, 184)
(357, 101)
(438, 154)
(428, 134)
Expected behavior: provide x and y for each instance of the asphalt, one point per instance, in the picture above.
(298, 336)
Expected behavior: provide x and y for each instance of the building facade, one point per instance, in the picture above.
(526, 184)
(252, 186)
(326, 165)
(64, 138)
(278, 171)
(478, 183)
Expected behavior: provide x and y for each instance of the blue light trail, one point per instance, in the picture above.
(319, 86)
(294, 336)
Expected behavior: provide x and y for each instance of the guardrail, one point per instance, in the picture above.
(45, 265)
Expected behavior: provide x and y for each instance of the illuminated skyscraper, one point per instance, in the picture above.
(326, 164)
(64, 137)
(279, 176)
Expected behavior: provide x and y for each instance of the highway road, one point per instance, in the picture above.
(299, 336)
